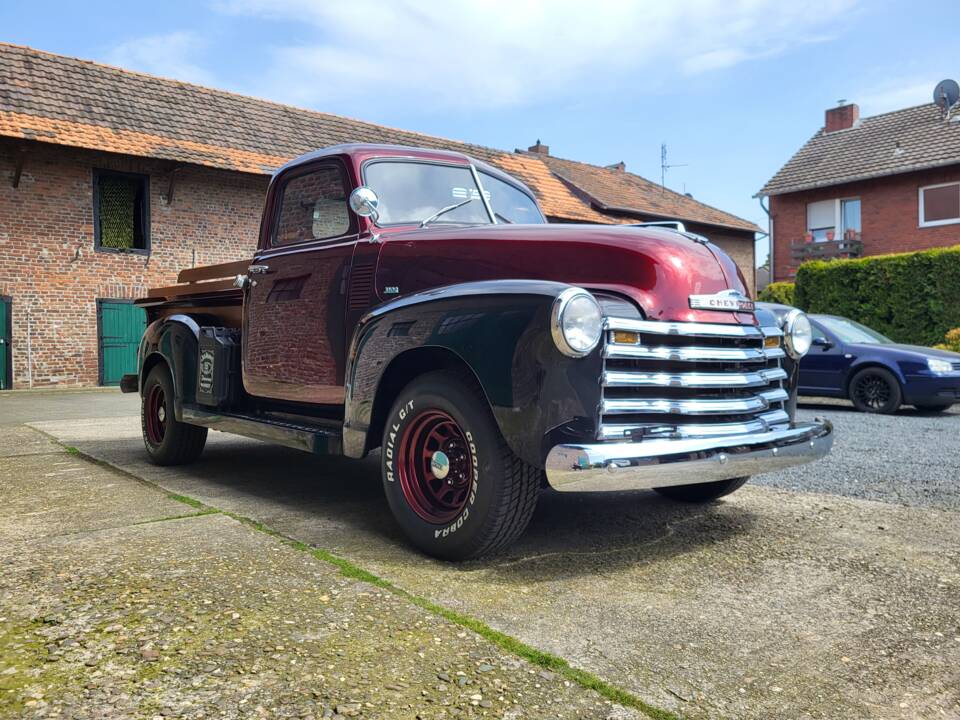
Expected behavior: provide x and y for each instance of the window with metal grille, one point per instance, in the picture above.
(121, 212)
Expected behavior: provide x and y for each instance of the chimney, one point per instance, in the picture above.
(842, 117)
(619, 167)
(539, 148)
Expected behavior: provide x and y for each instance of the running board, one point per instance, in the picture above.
(326, 440)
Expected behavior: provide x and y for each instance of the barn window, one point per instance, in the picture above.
(121, 219)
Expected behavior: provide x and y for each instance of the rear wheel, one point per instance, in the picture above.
(875, 390)
(702, 492)
(168, 441)
(453, 484)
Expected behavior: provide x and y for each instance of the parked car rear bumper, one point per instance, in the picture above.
(665, 462)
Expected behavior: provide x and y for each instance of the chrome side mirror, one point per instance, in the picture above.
(364, 202)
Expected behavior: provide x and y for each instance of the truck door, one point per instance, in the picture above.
(293, 311)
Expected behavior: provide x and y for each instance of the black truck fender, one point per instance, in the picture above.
(499, 332)
(172, 340)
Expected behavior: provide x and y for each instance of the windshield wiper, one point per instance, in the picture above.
(444, 211)
(502, 218)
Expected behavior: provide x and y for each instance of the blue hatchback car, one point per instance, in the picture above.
(849, 360)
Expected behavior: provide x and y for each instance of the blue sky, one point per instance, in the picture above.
(733, 87)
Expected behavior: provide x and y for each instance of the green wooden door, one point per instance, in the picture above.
(6, 357)
(121, 327)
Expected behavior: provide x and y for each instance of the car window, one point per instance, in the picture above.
(850, 331)
(313, 206)
(410, 192)
(510, 204)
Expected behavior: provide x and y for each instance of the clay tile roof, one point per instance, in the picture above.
(78, 103)
(616, 190)
(895, 142)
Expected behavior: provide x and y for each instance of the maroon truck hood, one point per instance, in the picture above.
(659, 269)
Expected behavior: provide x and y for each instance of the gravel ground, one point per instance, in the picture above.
(909, 458)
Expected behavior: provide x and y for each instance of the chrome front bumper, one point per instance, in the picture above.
(664, 462)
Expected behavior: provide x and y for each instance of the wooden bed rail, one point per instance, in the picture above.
(202, 280)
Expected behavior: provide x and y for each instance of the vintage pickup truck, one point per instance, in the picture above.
(417, 302)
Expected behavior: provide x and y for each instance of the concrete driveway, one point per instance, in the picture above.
(771, 603)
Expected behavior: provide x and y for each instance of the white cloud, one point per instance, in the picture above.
(172, 55)
(463, 53)
(897, 94)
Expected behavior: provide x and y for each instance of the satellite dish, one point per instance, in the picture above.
(946, 94)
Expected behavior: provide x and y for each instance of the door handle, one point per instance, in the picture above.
(258, 269)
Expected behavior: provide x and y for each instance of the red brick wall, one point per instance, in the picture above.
(889, 216)
(50, 268)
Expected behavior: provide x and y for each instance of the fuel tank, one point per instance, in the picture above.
(657, 268)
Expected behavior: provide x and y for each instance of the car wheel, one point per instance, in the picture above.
(933, 407)
(702, 492)
(168, 441)
(875, 390)
(453, 484)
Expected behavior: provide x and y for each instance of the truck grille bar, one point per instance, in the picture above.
(690, 380)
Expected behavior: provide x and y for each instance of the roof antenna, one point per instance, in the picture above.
(664, 166)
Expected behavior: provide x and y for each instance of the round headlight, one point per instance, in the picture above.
(577, 322)
(797, 333)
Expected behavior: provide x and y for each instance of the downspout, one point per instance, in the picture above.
(766, 209)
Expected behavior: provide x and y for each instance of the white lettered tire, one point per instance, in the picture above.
(454, 486)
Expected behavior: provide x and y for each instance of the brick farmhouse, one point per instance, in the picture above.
(112, 181)
(867, 186)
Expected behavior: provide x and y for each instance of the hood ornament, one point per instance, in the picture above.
(724, 301)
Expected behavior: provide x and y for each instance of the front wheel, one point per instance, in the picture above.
(453, 484)
(168, 441)
(875, 390)
(702, 492)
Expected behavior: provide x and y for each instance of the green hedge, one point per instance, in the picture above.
(778, 292)
(911, 298)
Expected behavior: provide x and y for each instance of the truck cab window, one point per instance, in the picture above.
(313, 207)
(510, 203)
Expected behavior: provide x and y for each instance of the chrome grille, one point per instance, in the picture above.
(687, 380)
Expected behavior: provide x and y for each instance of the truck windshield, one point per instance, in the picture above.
(410, 192)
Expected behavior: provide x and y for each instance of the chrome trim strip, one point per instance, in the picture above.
(693, 406)
(664, 463)
(759, 424)
(690, 353)
(657, 327)
(759, 378)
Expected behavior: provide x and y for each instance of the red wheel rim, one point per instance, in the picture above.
(155, 415)
(434, 466)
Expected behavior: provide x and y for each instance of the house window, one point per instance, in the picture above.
(822, 219)
(834, 219)
(121, 212)
(940, 204)
(849, 216)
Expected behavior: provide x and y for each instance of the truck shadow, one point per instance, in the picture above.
(338, 504)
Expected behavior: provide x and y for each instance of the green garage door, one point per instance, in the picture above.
(6, 333)
(121, 326)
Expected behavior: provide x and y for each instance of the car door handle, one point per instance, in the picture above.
(258, 269)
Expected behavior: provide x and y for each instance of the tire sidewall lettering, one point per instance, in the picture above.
(390, 451)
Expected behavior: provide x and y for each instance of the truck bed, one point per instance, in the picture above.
(209, 289)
